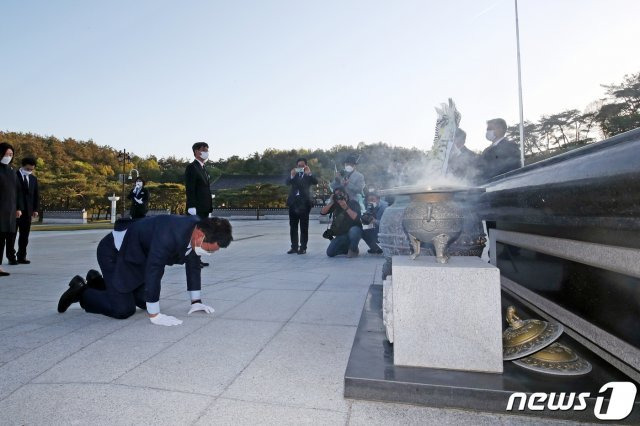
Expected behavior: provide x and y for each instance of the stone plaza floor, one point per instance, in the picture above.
(274, 351)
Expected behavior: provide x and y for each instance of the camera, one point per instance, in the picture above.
(369, 215)
(338, 197)
(328, 234)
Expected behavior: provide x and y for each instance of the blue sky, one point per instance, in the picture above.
(155, 76)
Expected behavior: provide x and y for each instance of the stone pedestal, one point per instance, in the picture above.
(447, 315)
(113, 200)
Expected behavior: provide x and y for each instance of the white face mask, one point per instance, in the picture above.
(348, 169)
(6, 160)
(26, 172)
(374, 205)
(138, 184)
(490, 135)
(299, 169)
(204, 155)
(200, 251)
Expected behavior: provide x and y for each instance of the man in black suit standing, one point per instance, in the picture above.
(300, 204)
(502, 155)
(132, 259)
(28, 191)
(197, 183)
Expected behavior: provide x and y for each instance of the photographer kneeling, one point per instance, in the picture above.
(371, 222)
(346, 228)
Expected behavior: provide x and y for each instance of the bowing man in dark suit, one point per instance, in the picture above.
(139, 197)
(502, 155)
(132, 259)
(28, 191)
(300, 204)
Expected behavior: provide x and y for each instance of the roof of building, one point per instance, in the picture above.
(240, 181)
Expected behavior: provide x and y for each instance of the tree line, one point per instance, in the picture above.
(82, 174)
(617, 112)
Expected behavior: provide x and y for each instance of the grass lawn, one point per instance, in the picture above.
(98, 224)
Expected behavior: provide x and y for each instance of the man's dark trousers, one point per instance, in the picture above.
(23, 225)
(300, 216)
(109, 301)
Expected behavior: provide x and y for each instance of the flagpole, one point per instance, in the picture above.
(520, 89)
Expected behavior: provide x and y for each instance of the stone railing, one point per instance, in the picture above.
(64, 216)
(260, 214)
(565, 233)
(158, 212)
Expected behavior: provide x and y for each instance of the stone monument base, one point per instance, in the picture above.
(447, 315)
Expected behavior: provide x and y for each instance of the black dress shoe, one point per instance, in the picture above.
(13, 262)
(302, 251)
(4, 274)
(95, 280)
(24, 261)
(203, 264)
(292, 251)
(76, 286)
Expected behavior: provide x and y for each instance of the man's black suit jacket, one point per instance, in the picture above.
(150, 244)
(499, 159)
(29, 194)
(197, 181)
(300, 185)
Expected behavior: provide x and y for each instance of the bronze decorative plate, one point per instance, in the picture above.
(555, 359)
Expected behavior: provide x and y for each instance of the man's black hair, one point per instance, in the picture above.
(373, 194)
(199, 145)
(499, 122)
(351, 159)
(29, 160)
(216, 230)
(4, 146)
(302, 159)
(141, 180)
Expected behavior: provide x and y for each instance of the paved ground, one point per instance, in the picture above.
(274, 352)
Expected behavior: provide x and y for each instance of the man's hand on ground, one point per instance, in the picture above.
(166, 320)
(200, 307)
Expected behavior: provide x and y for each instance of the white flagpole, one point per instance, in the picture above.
(520, 90)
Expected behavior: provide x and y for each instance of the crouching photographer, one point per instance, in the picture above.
(346, 229)
(371, 222)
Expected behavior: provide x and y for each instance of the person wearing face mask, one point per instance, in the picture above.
(132, 259)
(139, 197)
(351, 180)
(371, 222)
(346, 229)
(300, 204)
(197, 183)
(29, 193)
(501, 156)
(462, 161)
(11, 205)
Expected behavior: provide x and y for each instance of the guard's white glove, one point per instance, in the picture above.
(165, 320)
(191, 211)
(200, 307)
(139, 201)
